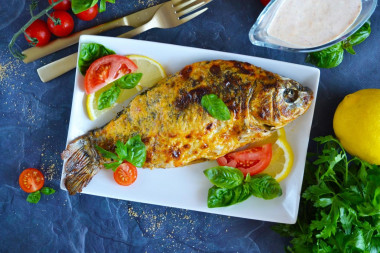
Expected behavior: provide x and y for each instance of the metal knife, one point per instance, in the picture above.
(136, 19)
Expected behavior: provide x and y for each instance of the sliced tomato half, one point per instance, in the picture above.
(106, 70)
(125, 174)
(252, 161)
(31, 180)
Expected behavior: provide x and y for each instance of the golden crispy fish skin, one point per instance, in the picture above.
(177, 130)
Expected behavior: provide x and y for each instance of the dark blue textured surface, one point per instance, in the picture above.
(33, 128)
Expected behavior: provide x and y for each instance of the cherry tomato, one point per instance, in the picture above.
(65, 5)
(66, 25)
(105, 70)
(265, 2)
(252, 161)
(39, 30)
(31, 180)
(125, 174)
(88, 14)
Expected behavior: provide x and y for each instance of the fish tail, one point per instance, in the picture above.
(82, 162)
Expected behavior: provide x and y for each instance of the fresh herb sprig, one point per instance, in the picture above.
(109, 97)
(230, 186)
(35, 197)
(133, 151)
(340, 205)
(333, 56)
(215, 107)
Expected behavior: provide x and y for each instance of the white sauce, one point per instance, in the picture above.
(311, 23)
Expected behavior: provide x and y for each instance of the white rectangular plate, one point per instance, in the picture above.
(187, 187)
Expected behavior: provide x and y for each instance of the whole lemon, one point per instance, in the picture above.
(357, 124)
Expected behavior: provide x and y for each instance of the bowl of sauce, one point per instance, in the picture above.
(309, 25)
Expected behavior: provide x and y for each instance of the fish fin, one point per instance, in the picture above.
(82, 162)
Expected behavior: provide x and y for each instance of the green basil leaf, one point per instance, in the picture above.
(128, 81)
(78, 6)
(102, 5)
(34, 197)
(136, 151)
(327, 58)
(265, 186)
(47, 190)
(220, 197)
(225, 177)
(358, 37)
(215, 107)
(89, 52)
(113, 166)
(107, 154)
(121, 150)
(108, 97)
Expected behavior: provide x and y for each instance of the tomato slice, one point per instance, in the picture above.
(125, 174)
(106, 70)
(252, 161)
(31, 180)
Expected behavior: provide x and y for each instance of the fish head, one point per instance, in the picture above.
(281, 102)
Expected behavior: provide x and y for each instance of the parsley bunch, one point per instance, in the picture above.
(340, 205)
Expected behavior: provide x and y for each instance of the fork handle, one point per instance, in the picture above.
(137, 31)
(35, 53)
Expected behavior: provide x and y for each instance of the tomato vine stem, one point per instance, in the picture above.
(45, 11)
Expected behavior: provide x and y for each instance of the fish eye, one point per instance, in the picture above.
(290, 95)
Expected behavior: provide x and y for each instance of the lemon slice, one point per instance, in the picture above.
(152, 70)
(152, 73)
(282, 158)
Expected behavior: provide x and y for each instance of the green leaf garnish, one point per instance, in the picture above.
(34, 197)
(231, 188)
(108, 97)
(215, 107)
(133, 151)
(47, 190)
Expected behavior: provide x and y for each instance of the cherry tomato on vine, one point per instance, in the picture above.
(31, 180)
(125, 174)
(65, 5)
(88, 14)
(265, 2)
(40, 31)
(252, 161)
(65, 26)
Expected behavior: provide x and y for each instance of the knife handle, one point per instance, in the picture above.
(35, 53)
(57, 68)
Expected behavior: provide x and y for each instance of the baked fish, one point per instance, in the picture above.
(177, 130)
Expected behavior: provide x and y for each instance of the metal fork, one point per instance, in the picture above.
(169, 15)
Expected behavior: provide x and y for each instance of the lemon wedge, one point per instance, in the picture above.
(282, 158)
(152, 73)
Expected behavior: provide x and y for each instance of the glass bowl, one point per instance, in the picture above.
(258, 34)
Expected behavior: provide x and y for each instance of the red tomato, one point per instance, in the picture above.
(65, 26)
(88, 14)
(39, 30)
(106, 70)
(65, 5)
(125, 174)
(265, 2)
(31, 180)
(252, 161)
